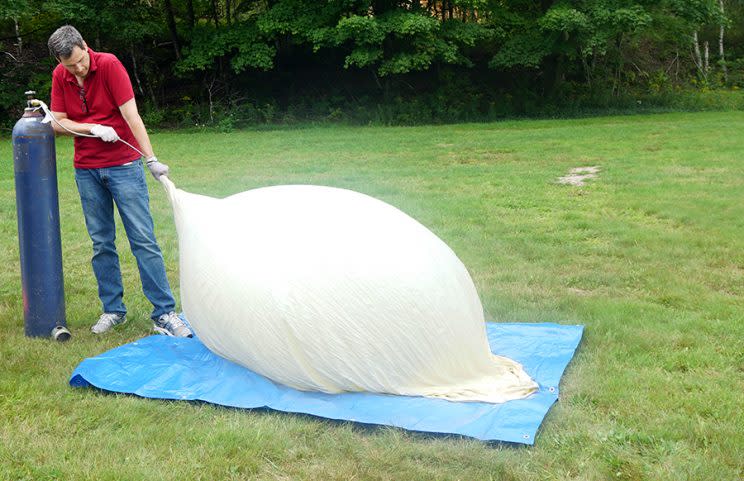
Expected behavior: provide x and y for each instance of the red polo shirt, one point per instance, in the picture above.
(105, 88)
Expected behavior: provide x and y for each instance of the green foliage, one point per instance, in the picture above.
(586, 30)
(564, 19)
(522, 50)
(15, 9)
(123, 24)
(243, 44)
(362, 30)
(400, 42)
(539, 53)
(695, 12)
(363, 57)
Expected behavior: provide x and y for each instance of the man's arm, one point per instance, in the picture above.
(107, 134)
(131, 115)
(70, 124)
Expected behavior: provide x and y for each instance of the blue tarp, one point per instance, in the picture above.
(164, 367)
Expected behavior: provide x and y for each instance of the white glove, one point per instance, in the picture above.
(105, 133)
(156, 168)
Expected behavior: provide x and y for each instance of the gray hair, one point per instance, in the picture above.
(64, 40)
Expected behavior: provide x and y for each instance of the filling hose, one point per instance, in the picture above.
(48, 116)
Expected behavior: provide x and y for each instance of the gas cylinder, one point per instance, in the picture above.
(37, 204)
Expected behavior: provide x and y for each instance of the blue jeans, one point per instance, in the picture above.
(125, 185)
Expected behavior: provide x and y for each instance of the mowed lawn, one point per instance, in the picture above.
(649, 256)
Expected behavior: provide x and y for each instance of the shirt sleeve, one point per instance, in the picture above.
(58, 96)
(119, 84)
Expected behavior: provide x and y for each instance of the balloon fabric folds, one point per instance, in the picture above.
(326, 289)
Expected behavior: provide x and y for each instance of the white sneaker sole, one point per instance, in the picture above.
(166, 332)
(109, 329)
(163, 331)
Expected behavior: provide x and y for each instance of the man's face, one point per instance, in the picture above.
(78, 63)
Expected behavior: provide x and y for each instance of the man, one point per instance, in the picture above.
(92, 94)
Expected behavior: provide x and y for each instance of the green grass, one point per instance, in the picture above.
(649, 257)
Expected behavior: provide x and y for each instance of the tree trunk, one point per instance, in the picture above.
(152, 95)
(134, 71)
(552, 73)
(190, 14)
(721, 52)
(19, 45)
(697, 57)
(171, 21)
(227, 12)
(706, 59)
(215, 14)
(210, 93)
(587, 71)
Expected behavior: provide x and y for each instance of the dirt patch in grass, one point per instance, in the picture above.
(578, 175)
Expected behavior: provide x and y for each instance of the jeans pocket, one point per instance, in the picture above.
(127, 177)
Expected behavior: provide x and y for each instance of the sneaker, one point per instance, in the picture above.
(171, 325)
(107, 321)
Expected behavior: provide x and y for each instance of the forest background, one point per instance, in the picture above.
(233, 63)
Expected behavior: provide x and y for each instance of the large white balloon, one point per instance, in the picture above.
(325, 289)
